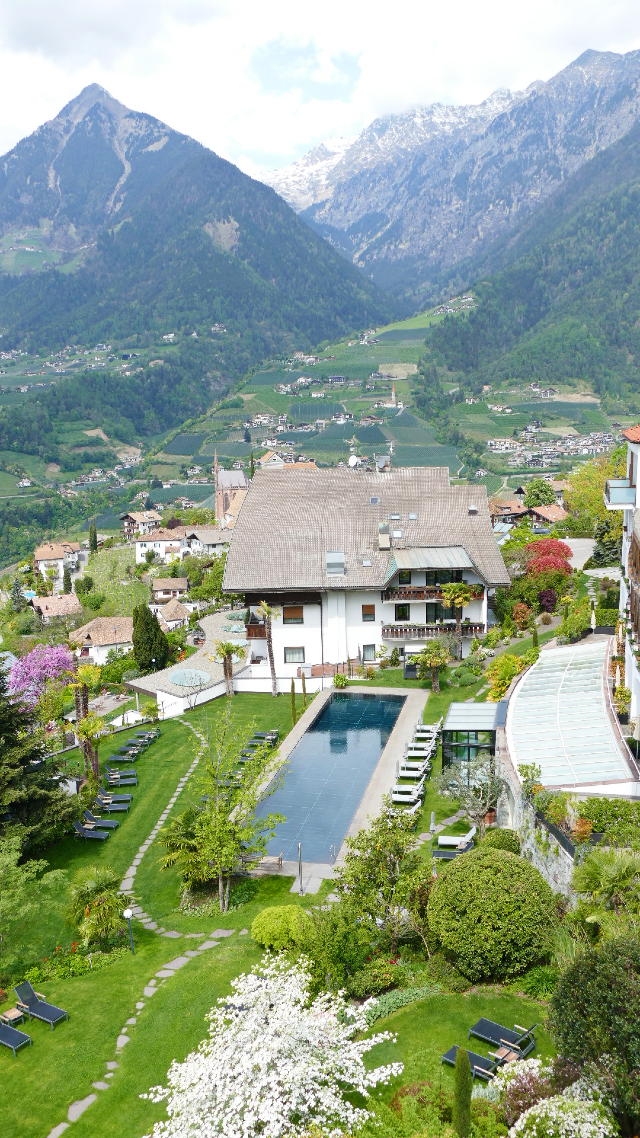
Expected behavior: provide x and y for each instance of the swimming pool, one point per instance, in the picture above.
(328, 773)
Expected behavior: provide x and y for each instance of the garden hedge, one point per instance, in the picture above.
(279, 926)
(502, 840)
(493, 914)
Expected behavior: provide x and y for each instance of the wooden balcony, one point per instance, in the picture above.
(256, 632)
(423, 593)
(424, 631)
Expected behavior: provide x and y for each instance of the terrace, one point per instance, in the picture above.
(619, 494)
(424, 631)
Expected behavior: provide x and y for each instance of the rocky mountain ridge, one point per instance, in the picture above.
(419, 194)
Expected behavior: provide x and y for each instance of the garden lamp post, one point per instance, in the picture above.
(128, 913)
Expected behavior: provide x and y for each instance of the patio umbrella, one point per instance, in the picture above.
(593, 618)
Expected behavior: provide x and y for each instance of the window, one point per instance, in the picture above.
(413, 517)
(293, 614)
(368, 652)
(374, 501)
(394, 517)
(443, 576)
(436, 611)
(404, 577)
(402, 612)
(294, 655)
(368, 612)
(396, 533)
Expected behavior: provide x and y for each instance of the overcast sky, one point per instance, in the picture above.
(261, 82)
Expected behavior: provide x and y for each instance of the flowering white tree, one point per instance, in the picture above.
(274, 1064)
(565, 1117)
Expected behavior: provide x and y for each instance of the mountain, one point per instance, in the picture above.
(174, 237)
(565, 302)
(418, 195)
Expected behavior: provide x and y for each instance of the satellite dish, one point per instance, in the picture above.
(353, 461)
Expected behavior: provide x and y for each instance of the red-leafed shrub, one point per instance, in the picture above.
(521, 614)
(547, 545)
(548, 562)
(548, 599)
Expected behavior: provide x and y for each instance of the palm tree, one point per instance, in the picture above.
(605, 878)
(89, 731)
(267, 613)
(96, 905)
(459, 595)
(183, 841)
(434, 656)
(225, 651)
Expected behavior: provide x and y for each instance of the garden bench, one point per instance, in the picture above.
(36, 1006)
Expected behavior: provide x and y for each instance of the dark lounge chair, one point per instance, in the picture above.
(480, 1066)
(11, 1037)
(127, 773)
(119, 798)
(100, 823)
(36, 1007)
(114, 781)
(517, 1039)
(112, 807)
(82, 832)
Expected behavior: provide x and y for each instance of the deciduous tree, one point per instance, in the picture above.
(475, 785)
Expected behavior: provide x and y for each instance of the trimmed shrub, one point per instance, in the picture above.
(502, 840)
(445, 974)
(462, 1084)
(493, 913)
(377, 976)
(279, 926)
(339, 680)
(594, 1018)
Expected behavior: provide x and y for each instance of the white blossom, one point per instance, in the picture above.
(274, 1064)
(563, 1117)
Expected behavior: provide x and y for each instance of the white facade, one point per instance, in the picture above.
(97, 653)
(357, 624)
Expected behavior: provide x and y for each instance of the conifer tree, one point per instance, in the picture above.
(150, 645)
(293, 703)
(462, 1087)
(252, 465)
(66, 580)
(29, 793)
(18, 602)
(93, 537)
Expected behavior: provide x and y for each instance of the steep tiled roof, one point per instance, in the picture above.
(54, 551)
(209, 535)
(163, 534)
(105, 630)
(173, 610)
(163, 583)
(550, 513)
(62, 605)
(632, 434)
(291, 519)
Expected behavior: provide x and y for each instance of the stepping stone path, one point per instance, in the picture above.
(163, 974)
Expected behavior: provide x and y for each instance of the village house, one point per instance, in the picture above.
(95, 640)
(50, 608)
(547, 515)
(135, 523)
(166, 544)
(166, 588)
(206, 541)
(355, 563)
(53, 558)
(173, 615)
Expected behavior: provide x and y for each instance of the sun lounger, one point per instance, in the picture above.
(448, 854)
(453, 841)
(483, 1068)
(128, 773)
(128, 781)
(11, 1037)
(408, 794)
(112, 807)
(82, 832)
(518, 1039)
(107, 796)
(97, 823)
(275, 734)
(36, 1006)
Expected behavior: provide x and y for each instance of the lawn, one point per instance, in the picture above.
(62, 1065)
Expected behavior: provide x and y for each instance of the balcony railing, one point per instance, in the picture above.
(256, 632)
(423, 631)
(619, 494)
(423, 593)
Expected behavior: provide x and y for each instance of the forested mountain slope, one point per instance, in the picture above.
(567, 304)
(183, 240)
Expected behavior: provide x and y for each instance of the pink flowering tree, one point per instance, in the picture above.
(46, 662)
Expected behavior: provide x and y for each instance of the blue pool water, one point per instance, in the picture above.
(328, 773)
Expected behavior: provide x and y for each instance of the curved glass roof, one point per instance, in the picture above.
(558, 719)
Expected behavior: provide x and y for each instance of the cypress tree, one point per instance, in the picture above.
(93, 537)
(462, 1086)
(304, 691)
(293, 703)
(534, 633)
(149, 641)
(252, 465)
(29, 793)
(66, 580)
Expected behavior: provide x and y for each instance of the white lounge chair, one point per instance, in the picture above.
(408, 794)
(452, 843)
(413, 769)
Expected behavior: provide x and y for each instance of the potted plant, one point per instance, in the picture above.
(490, 817)
(622, 700)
